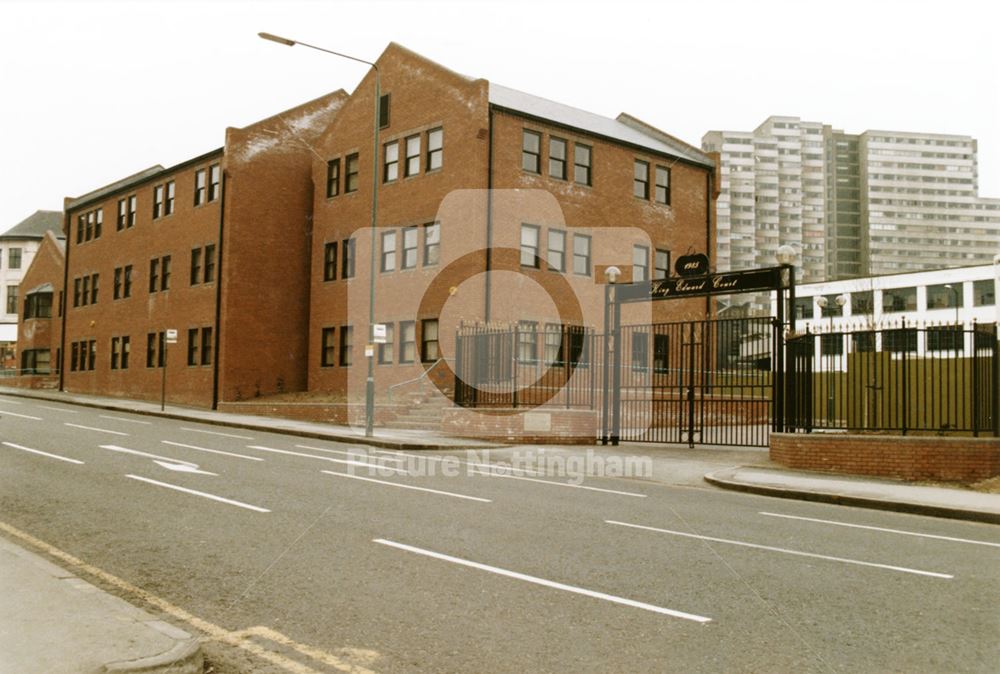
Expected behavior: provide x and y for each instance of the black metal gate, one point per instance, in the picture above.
(696, 382)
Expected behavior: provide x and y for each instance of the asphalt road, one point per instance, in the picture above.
(295, 555)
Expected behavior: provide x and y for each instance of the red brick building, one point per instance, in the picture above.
(257, 253)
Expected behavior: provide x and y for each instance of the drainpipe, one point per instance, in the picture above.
(218, 293)
(68, 231)
(489, 219)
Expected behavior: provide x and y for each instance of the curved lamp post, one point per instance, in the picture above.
(370, 382)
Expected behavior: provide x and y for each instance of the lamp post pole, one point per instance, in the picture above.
(370, 346)
(954, 291)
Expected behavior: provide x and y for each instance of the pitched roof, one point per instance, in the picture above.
(542, 108)
(35, 225)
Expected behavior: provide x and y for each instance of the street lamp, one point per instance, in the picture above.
(954, 291)
(612, 273)
(370, 351)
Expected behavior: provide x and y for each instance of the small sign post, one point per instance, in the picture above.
(170, 337)
(378, 333)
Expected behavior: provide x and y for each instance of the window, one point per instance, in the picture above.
(80, 224)
(200, 186)
(864, 342)
(578, 346)
(553, 344)
(328, 348)
(899, 340)
(168, 204)
(36, 361)
(383, 110)
(154, 349)
(944, 296)
(206, 346)
(132, 207)
(93, 287)
(351, 179)
(640, 182)
(209, 276)
(346, 345)
(983, 293)
(116, 293)
(429, 347)
(945, 338)
(640, 350)
(332, 178)
(407, 341)
(89, 232)
(899, 299)
(661, 353)
(157, 201)
(432, 243)
(77, 295)
(531, 151)
(12, 299)
(581, 254)
(529, 246)
(557, 158)
(581, 164)
(193, 342)
(527, 341)
(195, 266)
(388, 251)
(390, 171)
(557, 250)
(347, 259)
(435, 149)
(214, 182)
(662, 191)
(98, 222)
(14, 258)
(409, 260)
(126, 349)
(385, 350)
(330, 261)
(831, 344)
(661, 268)
(862, 302)
(640, 263)
(85, 295)
(832, 308)
(122, 214)
(159, 274)
(412, 166)
(38, 305)
(804, 307)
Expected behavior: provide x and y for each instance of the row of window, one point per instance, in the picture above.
(409, 247)
(337, 344)
(207, 188)
(904, 340)
(897, 300)
(410, 159)
(200, 347)
(555, 256)
(85, 288)
(558, 164)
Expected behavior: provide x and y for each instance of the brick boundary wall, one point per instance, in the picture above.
(330, 413)
(552, 426)
(957, 459)
(33, 381)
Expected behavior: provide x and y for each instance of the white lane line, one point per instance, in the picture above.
(38, 451)
(528, 471)
(225, 435)
(22, 416)
(126, 450)
(557, 484)
(59, 409)
(890, 531)
(10, 402)
(327, 458)
(213, 451)
(91, 428)
(799, 553)
(409, 486)
(356, 453)
(131, 421)
(547, 583)
(220, 499)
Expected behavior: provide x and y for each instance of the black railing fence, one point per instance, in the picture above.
(503, 365)
(900, 378)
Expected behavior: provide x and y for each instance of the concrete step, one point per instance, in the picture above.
(414, 425)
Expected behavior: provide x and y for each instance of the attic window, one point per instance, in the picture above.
(383, 111)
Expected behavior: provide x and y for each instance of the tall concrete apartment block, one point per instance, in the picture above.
(875, 203)
(259, 253)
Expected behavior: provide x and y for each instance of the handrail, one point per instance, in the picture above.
(415, 379)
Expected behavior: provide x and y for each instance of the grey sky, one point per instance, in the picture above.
(94, 91)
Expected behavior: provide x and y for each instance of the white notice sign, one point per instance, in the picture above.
(378, 333)
(171, 336)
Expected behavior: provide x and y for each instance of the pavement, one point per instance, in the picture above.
(51, 621)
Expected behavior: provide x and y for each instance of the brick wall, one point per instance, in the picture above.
(352, 414)
(907, 457)
(538, 426)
